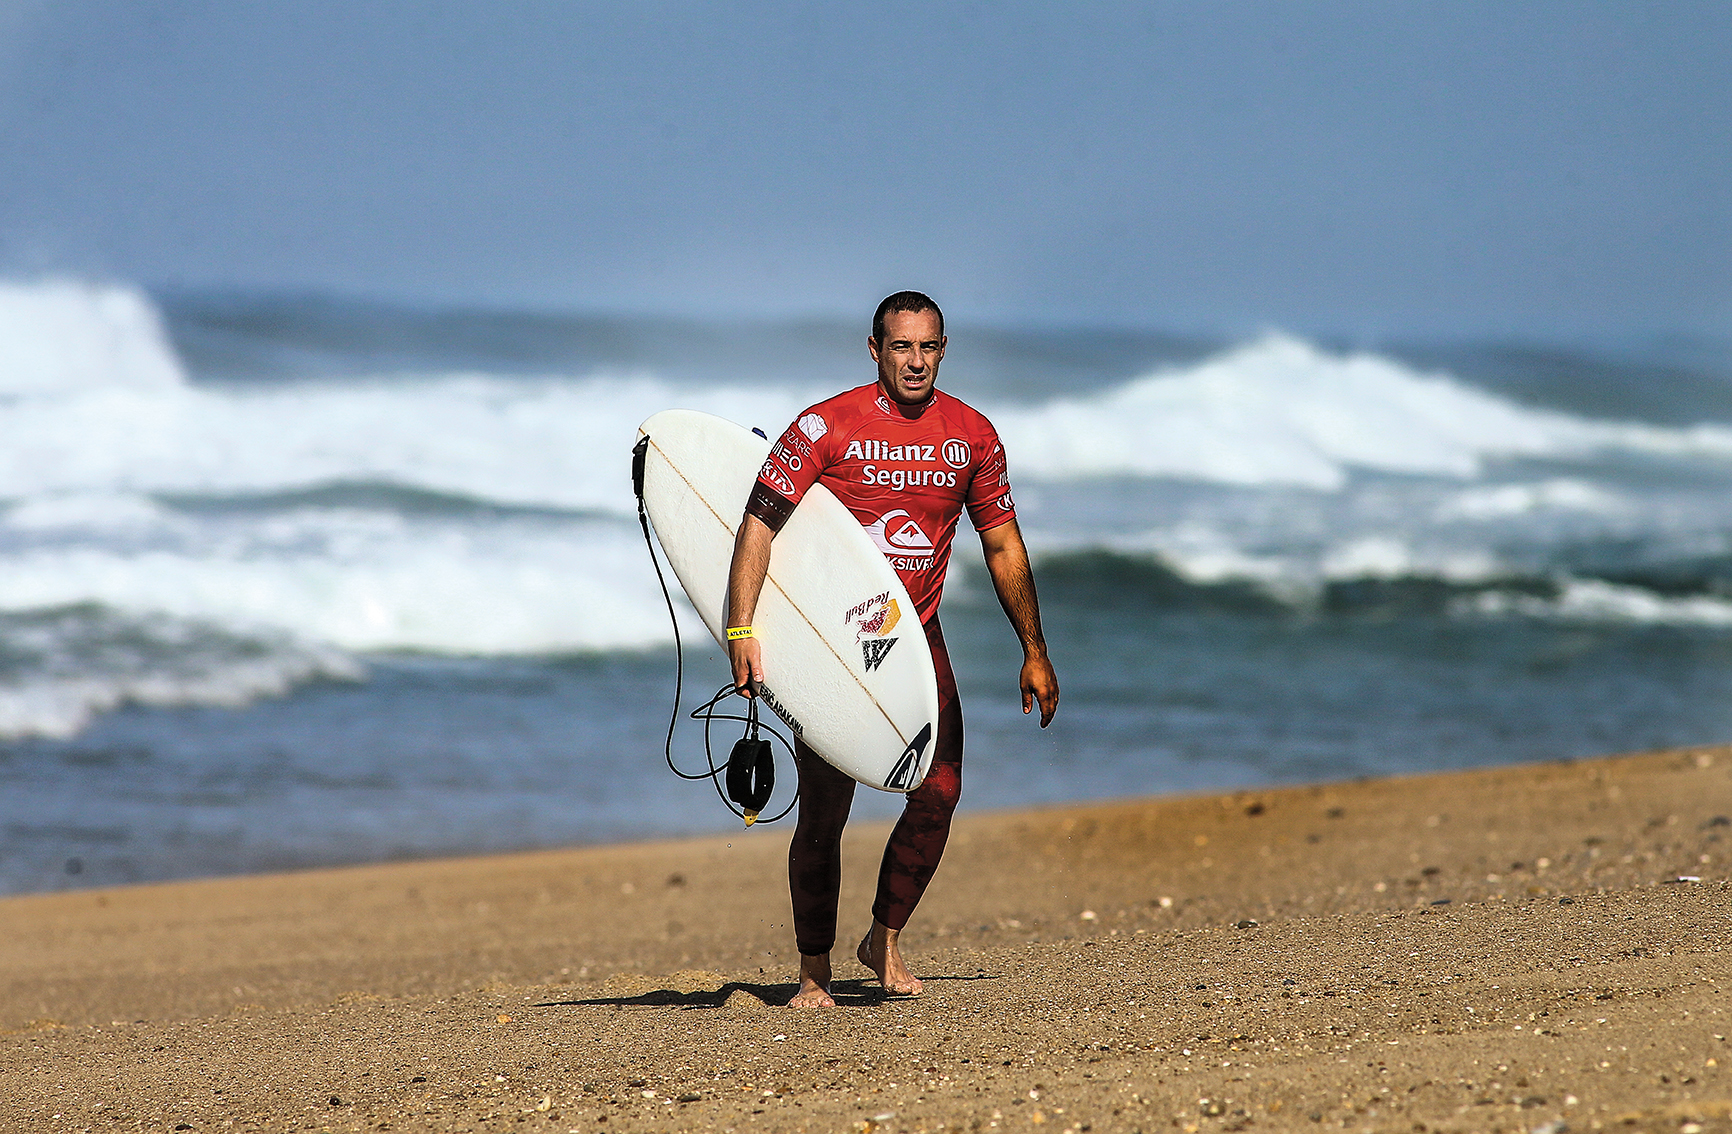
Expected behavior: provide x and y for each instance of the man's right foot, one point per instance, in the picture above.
(814, 983)
(881, 952)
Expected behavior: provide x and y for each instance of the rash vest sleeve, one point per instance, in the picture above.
(795, 461)
(989, 500)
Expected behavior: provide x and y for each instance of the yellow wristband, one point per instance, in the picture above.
(737, 632)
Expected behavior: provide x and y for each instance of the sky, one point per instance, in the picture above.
(1457, 168)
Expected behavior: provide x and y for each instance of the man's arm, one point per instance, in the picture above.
(1007, 562)
(745, 580)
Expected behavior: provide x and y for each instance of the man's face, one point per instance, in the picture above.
(908, 356)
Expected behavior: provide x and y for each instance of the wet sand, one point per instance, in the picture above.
(1506, 949)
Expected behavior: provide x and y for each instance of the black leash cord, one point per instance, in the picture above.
(705, 712)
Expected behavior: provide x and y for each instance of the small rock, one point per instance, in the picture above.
(1088, 915)
(1246, 923)
(690, 1096)
(1566, 901)
(637, 1082)
(335, 1101)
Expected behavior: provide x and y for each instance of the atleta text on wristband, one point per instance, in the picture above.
(735, 633)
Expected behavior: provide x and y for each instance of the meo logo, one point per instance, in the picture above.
(956, 453)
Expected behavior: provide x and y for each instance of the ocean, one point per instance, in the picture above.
(292, 581)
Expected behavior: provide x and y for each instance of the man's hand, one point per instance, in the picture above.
(1039, 683)
(747, 659)
(1007, 563)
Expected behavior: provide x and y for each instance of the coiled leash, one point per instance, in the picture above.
(750, 772)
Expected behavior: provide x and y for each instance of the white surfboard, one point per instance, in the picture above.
(846, 664)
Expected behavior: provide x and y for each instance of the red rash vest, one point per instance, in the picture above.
(905, 479)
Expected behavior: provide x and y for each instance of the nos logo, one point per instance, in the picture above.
(956, 453)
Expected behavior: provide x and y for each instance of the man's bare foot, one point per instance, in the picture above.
(879, 952)
(814, 983)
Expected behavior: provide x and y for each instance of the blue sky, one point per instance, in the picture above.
(1377, 168)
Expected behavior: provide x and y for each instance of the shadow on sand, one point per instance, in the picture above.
(846, 994)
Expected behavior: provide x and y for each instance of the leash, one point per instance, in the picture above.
(750, 770)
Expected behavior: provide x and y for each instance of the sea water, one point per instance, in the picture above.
(295, 581)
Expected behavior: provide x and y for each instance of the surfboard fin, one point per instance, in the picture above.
(750, 817)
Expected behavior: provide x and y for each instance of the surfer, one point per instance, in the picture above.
(907, 461)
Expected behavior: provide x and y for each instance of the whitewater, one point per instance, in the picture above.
(273, 585)
(473, 513)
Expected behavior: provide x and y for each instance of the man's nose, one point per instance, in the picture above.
(917, 360)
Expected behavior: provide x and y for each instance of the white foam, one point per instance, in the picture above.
(1503, 501)
(99, 405)
(369, 581)
(68, 666)
(61, 335)
(1592, 600)
(96, 419)
(1281, 412)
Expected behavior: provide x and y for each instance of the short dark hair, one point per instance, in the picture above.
(903, 301)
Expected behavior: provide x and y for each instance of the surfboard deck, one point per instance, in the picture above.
(846, 665)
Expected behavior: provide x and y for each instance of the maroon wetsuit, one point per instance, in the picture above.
(907, 480)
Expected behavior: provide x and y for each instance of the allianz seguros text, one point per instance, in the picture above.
(956, 454)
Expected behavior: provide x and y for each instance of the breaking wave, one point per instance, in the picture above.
(249, 535)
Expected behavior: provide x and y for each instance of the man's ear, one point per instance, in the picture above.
(872, 346)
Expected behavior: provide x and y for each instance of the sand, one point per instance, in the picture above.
(1506, 949)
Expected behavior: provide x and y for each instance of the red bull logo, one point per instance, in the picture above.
(873, 620)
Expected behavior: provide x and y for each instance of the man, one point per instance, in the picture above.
(906, 460)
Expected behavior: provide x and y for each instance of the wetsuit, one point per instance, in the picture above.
(907, 480)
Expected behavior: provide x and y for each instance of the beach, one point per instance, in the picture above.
(1539, 947)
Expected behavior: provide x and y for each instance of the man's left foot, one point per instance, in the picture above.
(880, 952)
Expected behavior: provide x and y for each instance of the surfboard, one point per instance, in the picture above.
(846, 665)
